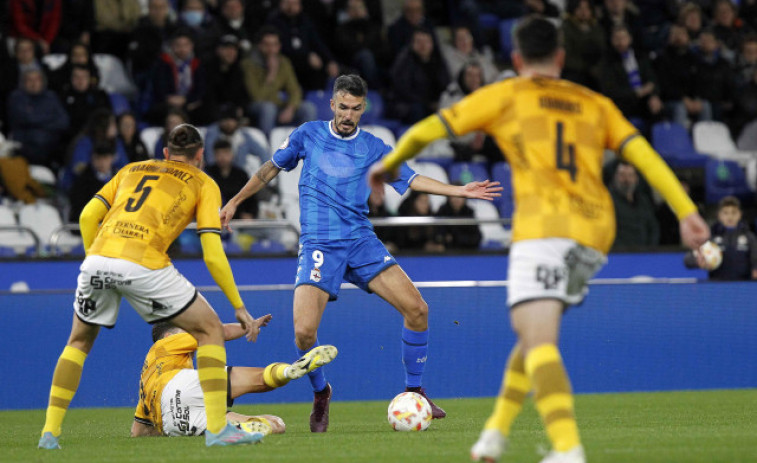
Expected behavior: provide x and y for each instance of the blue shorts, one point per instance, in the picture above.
(326, 265)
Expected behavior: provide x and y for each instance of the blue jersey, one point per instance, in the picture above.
(333, 186)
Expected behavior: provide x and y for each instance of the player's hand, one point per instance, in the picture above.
(694, 231)
(251, 329)
(227, 213)
(263, 321)
(377, 176)
(482, 190)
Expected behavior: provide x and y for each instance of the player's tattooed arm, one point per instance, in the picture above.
(267, 172)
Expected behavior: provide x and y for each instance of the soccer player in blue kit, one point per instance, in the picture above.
(337, 240)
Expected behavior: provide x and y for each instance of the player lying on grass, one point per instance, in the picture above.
(170, 397)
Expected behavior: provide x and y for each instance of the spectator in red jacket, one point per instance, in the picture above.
(38, 20)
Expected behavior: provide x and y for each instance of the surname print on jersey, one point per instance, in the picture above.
(150, 203)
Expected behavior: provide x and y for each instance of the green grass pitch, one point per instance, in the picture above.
(691, 427)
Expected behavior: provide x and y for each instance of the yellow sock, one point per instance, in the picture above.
(515, 387)
(553, 396)
(273, 375)
(211, 368)
(65, 383)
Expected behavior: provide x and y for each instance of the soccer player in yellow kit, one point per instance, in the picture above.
(170, 396)
(143, 209)
(553, 133)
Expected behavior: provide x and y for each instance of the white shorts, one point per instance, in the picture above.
(155, 294)
(551, 268)
(183, 406)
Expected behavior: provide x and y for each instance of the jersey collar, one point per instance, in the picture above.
(336, 135)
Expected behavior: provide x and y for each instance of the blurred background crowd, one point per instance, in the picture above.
(90, 85)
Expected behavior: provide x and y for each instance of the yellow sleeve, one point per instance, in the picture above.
(89, 220)
(181, 343)
(218, 266)
(413, 141)
(479, 109)
(209, 207)
(640, 153)
(474, 112)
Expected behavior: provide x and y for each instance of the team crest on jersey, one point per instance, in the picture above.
(315, 275)
(285, 144)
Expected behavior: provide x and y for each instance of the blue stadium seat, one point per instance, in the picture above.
(190, 242)
(506, 27)
(119, 103)
(673, 143)
(725, 178)
(501, 173)
(488, 21)
(466, 172)
(322, 102)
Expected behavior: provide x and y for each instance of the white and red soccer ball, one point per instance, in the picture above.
(409, 411)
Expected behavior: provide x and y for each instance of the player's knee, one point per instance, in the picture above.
(304, 337)
(416, 314)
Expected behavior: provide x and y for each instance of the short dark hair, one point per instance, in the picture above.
(267, 30)
(536, 38)
(221, 144)
(160, 329)
(184, 140)
(729, 201)
(105, 148)
(352, 84)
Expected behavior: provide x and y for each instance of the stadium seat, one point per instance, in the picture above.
(54, 61)
(44, 220)
(12, 242)
(322, 102)
(726, 178)
(381, 132)
(748, 138)
(438, 151)
(150, 136)
(252, 164)
(119, 103)
(113, 75)
(189, 242)
(289, 184)
(506, 44)
(465, 172)
(501, 173)
(259, 137)
(392, 199)
(278, 135)
(714, 139)
(488, 21)
(493, 235)
(42, 174)
(674, 144)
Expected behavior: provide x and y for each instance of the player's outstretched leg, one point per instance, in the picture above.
(232, 435)
(315, 358)
(515, 387)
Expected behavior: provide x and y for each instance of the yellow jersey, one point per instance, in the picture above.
(149, 204)
(553, 133)
(165, 359)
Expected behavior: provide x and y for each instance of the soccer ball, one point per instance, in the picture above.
(712, 254)
(409, 411)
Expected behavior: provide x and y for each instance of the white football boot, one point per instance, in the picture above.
(574, 455)
(489, 447)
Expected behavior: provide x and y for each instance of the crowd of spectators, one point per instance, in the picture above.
(224, 64)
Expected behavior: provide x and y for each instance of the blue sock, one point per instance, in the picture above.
(317, 377)
(414, 350)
